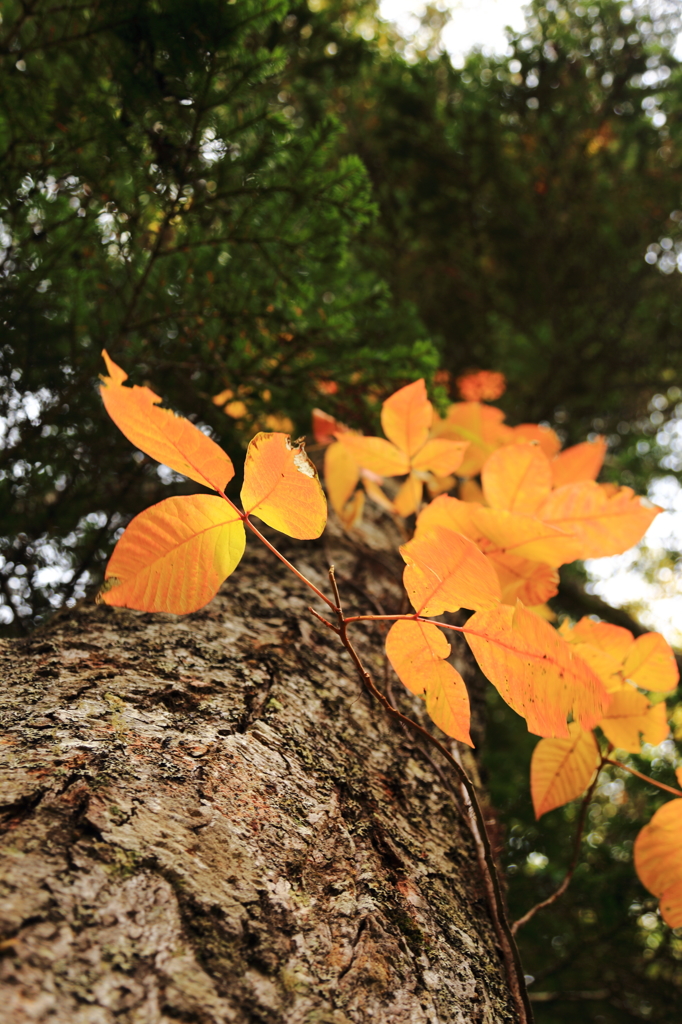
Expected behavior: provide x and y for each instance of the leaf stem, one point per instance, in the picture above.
(574, 859)
(640, 775)
(508, 947)
(244, 516)
(301, 577)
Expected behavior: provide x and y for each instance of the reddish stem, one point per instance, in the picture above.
(574, 859)
(646, 778)
(244, 516)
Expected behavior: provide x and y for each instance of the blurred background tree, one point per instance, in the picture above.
(288, 205)
(160, 198)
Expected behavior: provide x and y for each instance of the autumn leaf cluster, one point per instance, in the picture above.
(524, 507)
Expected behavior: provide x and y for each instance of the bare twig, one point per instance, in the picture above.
(574, 859)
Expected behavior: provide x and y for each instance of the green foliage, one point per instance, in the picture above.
(157, 199)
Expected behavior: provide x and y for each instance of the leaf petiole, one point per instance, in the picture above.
(645, 778)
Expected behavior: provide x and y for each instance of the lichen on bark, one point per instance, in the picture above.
(205, 819)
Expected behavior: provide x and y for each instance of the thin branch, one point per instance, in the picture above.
(508, 948)
(646, 778)
(271, 547)
(574, 859)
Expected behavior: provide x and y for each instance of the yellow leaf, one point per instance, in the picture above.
(525, 536)
(236, 409)
(450, 513)
(671, 905)
(544, 611)
(406, 418)
(535, 670)
(174, 556)
(275, 421)
(375, 494)
(602, 523)
(481, 425)
(581, 462)
(517, 478)
(281, 487)
(545, 437)
(351, 514)
(436, 485)
(629, 713)
(604, 664)
(341, 475)
(523, 580)
(409, 496)
(445, 571)
(562, 769)
(375, 454)
(658, 860)
(417, 651)
(471, 490)
(651, 664)
(614, 640)
(170, 439)
(440, 456)
(223, 396)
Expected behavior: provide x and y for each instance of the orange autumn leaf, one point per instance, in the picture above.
(341, 475)
(406, 417)
(535, 670)
(445, 571)
(580, 462)
(170, 439)
(499, 530)
(658, 860)
(450, 513)
(651, 664)
(417, 651)
(629, 713)
(437, 485)
(517, 478)
(602, 523)
(409, 496)
(481, 425)
(524, 580)
(174, 556)
(376, 454)
(484, 385)
(562, 769)
(544, 611)
(351, 513)
(525, 536)
(671, 905)
(615, 655)
(599, 649)
(440, 456)
(325, 427)
(601, 662)
(545, 437)
(376, 495)
(614, 640)
(470, 490)
(282, 488)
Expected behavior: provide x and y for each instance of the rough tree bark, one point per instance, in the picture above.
(206, 819)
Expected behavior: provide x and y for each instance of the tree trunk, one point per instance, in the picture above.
(207, 820)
